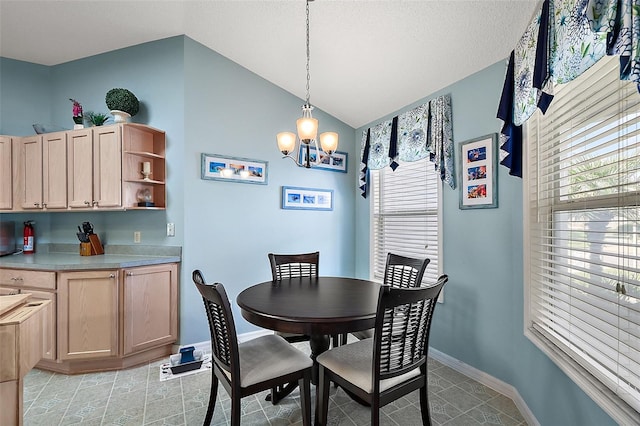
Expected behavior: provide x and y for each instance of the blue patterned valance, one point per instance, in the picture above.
(413, 135)
(563, 40)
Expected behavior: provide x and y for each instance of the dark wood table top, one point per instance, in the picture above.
(311, 306)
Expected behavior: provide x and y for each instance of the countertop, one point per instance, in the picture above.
(59, 258)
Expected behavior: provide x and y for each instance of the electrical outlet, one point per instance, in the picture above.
(171, 229)
(136, 236)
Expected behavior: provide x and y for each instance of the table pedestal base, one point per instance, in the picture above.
(318, 344)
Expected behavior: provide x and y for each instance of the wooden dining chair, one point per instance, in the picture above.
(284, 266)
(399, 272)
(252, 366)
(391, 364)
(294, 266)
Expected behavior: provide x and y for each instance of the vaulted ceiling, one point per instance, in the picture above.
(368, 58)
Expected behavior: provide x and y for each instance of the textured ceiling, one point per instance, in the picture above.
(368, 58)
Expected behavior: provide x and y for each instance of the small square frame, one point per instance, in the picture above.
(213, 164)
(296, 198)
(337, 162)
(478, 173)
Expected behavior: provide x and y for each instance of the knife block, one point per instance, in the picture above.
(85, 249)
(93, 247)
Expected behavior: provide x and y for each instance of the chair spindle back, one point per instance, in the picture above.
(285, 266)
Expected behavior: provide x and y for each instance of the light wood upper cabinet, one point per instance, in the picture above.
(6, 173)
(98, 168)
(54, 170)
(95, 176)
(107, 163)
(40, 170)
(29, 168)
(87, 314)
(150, 307)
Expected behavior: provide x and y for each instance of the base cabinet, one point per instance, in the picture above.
(87, 314)
(100, 320)
(150, 307)
(42, 286)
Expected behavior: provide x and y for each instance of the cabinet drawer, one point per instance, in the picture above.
(26, 278)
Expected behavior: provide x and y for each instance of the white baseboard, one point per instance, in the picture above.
(487, 380)
(206, 345)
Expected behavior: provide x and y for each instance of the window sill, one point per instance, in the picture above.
(619, 410)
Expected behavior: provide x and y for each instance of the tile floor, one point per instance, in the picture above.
(137, 397)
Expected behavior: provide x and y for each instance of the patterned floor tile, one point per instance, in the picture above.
(460, 399)
(135, 396)
(507, 406)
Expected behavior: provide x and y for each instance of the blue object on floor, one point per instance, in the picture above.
(186, 354)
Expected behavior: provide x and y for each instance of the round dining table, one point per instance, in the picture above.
(318, 307)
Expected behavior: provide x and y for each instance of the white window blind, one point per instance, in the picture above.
(583, 182)
(405, 216)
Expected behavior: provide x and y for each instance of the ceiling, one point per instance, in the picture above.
(368, 58)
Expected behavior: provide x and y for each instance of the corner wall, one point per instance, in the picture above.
(481, 321)
(206, 104)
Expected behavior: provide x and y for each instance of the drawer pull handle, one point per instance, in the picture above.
(129, 274)
(112, 275)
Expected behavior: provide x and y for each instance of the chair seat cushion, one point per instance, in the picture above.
(267, 357)
(354, 362)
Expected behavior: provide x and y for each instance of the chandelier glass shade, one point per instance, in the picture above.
(307, 128)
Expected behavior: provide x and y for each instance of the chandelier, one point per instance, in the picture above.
(307, 130)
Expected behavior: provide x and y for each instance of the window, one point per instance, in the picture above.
(582, 225)
(406, 216)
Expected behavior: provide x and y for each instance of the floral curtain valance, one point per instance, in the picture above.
(425, 131)
(563, 40)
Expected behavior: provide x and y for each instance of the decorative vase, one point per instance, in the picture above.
(120, 116)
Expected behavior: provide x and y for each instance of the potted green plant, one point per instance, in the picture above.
(122, 103)
(96, 118)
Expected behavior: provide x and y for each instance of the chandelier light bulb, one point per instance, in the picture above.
(329, 142)
(286, 142)
(307, 128)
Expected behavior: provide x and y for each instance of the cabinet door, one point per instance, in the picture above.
(87, 314)
(30, 172)
(54, 170)
(49, 323)
(150, 297)
(6, 173)
(107, 166)
(80, 168)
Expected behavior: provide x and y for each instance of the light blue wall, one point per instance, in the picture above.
(206, 104)
(481, 321)
(25, 96)
(230, 227)
(209, 104)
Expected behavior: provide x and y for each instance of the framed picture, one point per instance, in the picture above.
(234, 169)
(478, 173)
(336, 163)
(307, 198)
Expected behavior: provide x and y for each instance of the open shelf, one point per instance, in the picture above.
(143, 144)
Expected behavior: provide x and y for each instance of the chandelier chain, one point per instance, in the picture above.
(308, 54)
